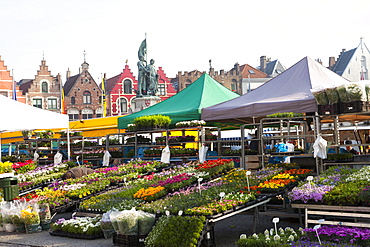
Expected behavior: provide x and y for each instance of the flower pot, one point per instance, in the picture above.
(8, 227)
(108, 233)
(45, 226)
(21, 228)
(33, 228)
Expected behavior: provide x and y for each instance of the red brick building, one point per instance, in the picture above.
(7, 84)
(44, 91)
(121, 91)
(83, 96)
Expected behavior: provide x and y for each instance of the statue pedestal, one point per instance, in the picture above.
(145, 102)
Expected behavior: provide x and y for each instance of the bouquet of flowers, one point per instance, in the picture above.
(30, 215)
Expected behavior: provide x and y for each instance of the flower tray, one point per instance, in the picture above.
(74, 235)
(129, 240)
(329, 109)
(351, 107)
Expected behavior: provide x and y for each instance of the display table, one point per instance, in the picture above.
(341, 215)
(210, 237)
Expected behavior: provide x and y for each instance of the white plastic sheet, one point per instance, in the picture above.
(106, 158)
(203, 153)
(165, 158)
(319, 148)
(58, 158)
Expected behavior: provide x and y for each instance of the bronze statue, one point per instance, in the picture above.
(147, 75)
(152, 81)
(142, 77)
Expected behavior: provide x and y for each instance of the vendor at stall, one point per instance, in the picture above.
(350, 149)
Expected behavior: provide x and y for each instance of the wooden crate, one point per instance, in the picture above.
(252, 162)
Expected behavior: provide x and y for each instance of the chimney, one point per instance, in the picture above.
(331, 61)
(237, 68)
(263, 63)
(68, 74)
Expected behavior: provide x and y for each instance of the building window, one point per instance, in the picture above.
(52, 103)
(37, 103)
(73, 100)
(161, 89)
(87, 97)
(251, 71)
(73, 114)
(4, 94)
(127, 87)
(123, 105)
(44, 87)
(234, 85)
(87, 113)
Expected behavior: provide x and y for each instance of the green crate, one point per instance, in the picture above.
(10, 188)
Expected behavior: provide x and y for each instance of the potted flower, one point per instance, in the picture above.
(31, 218)
(27, 134)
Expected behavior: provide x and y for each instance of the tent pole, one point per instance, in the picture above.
(242, 163)
(68, 145)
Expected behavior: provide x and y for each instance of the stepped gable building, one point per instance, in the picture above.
(83, 96)
(240, 79)
(7, 84)
(353, 64)
(44, 91)
(121, 91)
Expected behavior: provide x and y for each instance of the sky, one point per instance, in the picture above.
(181, 35)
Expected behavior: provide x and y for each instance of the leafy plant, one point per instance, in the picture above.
(176, 231)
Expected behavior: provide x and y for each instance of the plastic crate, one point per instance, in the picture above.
(329, 109)
(129, 240)
(351, 107)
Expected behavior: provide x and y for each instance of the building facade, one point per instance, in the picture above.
(240, 79)
(83, 96)
(353, 64)
(8, 87)
(121, 91)
(44, 91)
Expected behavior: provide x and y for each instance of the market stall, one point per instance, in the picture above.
(26, 117)
(187, 104)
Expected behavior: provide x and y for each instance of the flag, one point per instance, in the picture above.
(63, 104)
(142, 49)
(14, 92)
(104, 97)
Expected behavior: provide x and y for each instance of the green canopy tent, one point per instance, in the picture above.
(187, 104)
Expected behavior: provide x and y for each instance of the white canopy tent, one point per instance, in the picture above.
(287, 92)
(16, 116)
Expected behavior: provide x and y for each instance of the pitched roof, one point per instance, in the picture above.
(109, 84)
(25, 85)
(251, 72)
(343, 61)
(288, 92)
(69, 83)
(270, 67)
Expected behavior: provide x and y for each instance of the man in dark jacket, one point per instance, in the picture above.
(77, 172)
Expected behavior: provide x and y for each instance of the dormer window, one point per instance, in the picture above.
(251, 71)
(87, 97)
(44, 87)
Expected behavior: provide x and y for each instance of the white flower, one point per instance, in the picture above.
(290, 238)
(267, 233)
(255, 236)
(276, 238)
(243, 236)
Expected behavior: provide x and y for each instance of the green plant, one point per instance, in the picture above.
(176, 231)
(342, 156)
(284, 114)
(151, 121)
(345, 193)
